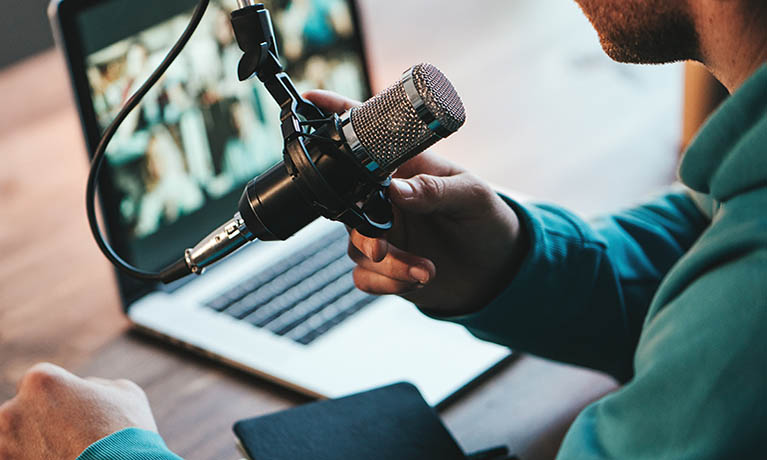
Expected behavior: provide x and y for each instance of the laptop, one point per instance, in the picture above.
(286, 311)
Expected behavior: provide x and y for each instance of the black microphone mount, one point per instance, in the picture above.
(327, 170)
(319, 176)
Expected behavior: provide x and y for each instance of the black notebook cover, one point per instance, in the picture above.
(392, 422)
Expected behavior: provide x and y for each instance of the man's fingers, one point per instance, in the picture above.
(43, 377)
(455, 196)
(329, 101)
(122, 384)
(374, 249)
(10, 421)
(398, 265)
(427, 163)
(375, 283)
(99, 381)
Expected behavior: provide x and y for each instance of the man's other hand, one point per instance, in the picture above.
(57, 415)
(455, 243)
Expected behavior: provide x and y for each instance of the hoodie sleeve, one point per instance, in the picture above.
(129, 444)
(583, 291)
(700, 368)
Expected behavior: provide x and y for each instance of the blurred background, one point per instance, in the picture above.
(25, 18)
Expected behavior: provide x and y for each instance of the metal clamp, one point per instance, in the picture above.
(423, 112)
(358, 150)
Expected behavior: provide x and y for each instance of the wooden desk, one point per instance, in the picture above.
(58, 300)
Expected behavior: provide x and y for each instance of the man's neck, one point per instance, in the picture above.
(733, 39)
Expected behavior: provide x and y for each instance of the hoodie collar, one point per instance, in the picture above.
(729, 155)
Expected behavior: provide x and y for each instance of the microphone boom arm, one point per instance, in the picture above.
(254, 33)
(306, 164)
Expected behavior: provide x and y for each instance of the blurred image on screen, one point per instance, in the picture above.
(200, 134)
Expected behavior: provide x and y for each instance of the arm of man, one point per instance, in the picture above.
(698, 391)
(56, 414)
(582, 292)
(535, 278)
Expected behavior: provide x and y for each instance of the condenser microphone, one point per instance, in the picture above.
(403, 120)
(341, 168)
(338, 167)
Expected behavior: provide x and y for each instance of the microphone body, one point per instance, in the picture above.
(317, 177)
(341, 170)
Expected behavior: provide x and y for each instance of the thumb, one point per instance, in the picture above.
(330, 101)
(426, 194)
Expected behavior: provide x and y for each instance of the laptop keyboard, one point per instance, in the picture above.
(301, 297)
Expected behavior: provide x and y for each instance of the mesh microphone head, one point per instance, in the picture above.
(406, 118)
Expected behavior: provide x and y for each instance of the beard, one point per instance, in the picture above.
(644, 31)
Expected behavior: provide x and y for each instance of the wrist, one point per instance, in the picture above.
(518, 245)
(521, 240)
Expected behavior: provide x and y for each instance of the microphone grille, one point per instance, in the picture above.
(440, 96)
(408, 117)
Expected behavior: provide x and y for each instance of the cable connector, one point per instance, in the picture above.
(218, 244)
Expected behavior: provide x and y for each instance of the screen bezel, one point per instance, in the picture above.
(63, 15)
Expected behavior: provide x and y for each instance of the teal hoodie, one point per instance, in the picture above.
(669, 297)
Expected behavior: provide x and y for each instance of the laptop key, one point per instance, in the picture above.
(301, 297)
(286, 281)
(264, 277)
(272, 294)
(220, 303)
(307, 308)
(331, 316)
(262, 315)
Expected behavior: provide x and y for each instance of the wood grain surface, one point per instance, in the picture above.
(548, 115)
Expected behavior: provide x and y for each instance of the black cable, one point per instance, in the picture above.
(179, 268)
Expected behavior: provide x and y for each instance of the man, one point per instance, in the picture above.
(670, 297)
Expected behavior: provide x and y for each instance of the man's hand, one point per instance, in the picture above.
(57, 415)
(455, 243)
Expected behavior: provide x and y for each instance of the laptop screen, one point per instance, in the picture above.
(178, 164)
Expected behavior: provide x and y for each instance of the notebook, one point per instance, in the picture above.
(393, 422)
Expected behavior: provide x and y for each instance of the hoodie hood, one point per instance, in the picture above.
(729, 155)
